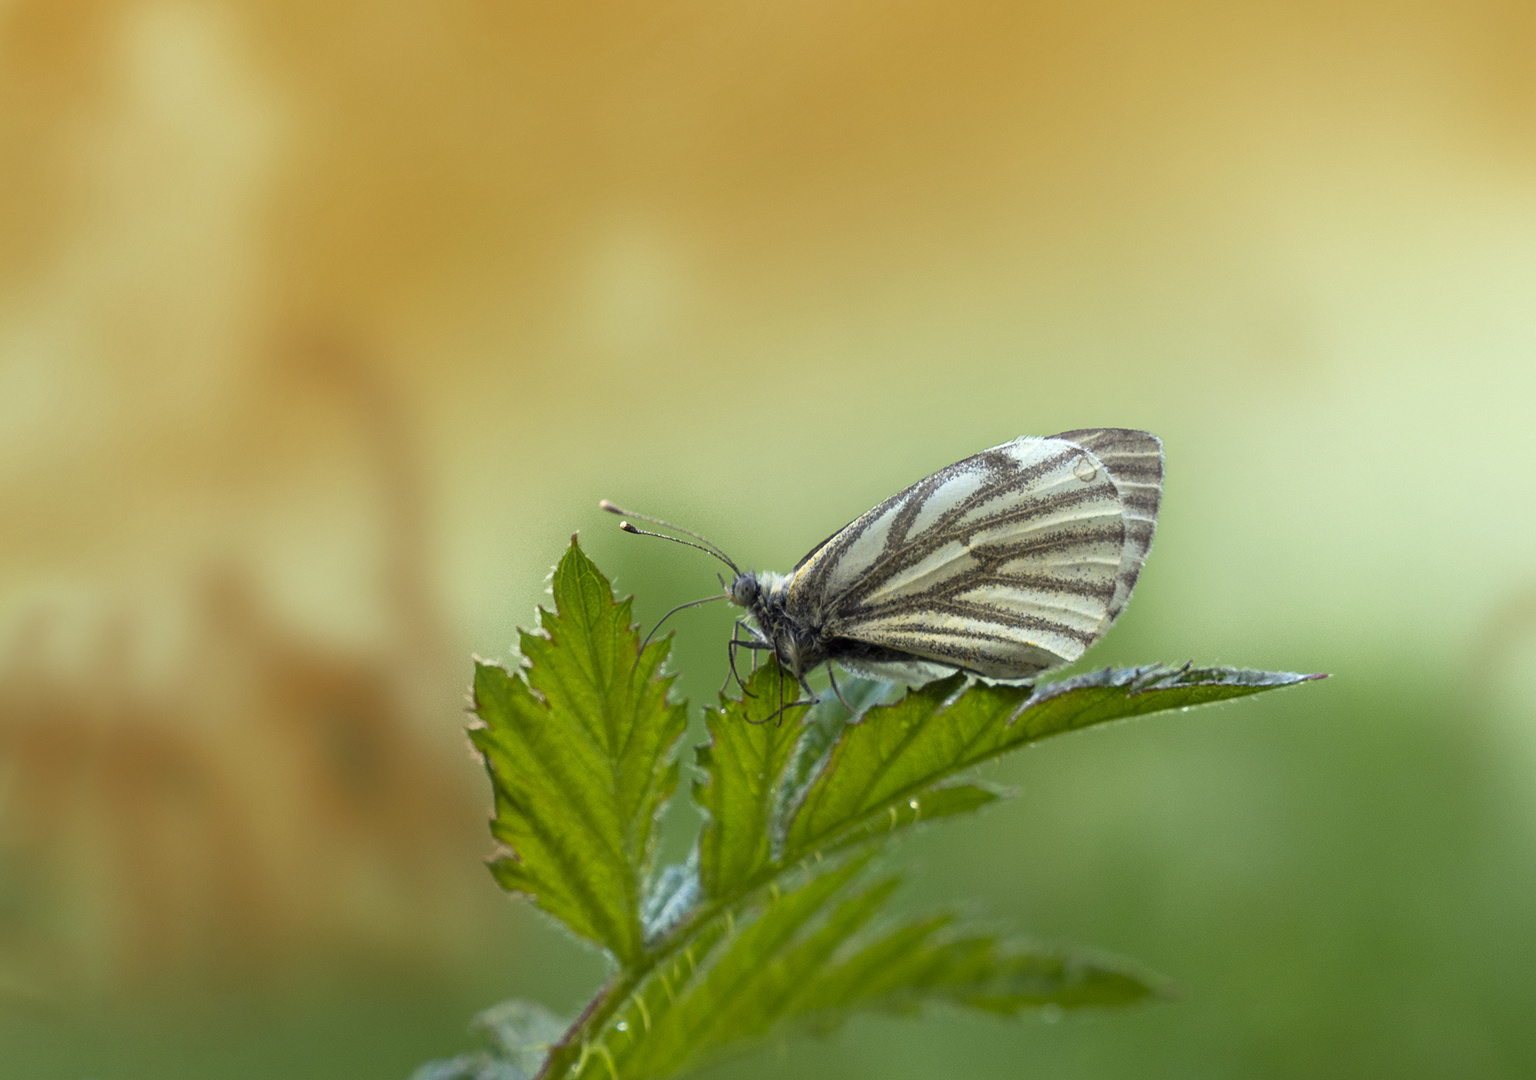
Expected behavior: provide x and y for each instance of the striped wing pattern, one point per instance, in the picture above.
(1004, 564)
(1135, 463)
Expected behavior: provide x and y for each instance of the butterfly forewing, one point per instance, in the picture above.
(1003, 564)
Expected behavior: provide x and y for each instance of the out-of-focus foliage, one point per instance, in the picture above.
(318, 320)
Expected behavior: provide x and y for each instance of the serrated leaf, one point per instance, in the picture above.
(751, 742)
(925, 962)
(764, 928)
(578, 749)
(899, 752)
(737, 982)
(823, 726)
(931, 805)
(797, 965)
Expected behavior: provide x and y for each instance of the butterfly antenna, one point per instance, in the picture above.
(704, 544)
(668, 615)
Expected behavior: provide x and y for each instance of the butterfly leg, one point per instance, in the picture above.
(809, 699)
(807, 687)
(832, 676)
(752, 643)
(777, 715)
(730, 649)
(730, 652)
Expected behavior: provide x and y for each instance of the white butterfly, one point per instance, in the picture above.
(1002, 565)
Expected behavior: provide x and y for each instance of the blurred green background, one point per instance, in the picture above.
(322, 326)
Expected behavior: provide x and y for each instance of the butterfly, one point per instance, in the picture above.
(1003, 565)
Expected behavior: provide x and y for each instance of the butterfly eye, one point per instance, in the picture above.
(744, 590)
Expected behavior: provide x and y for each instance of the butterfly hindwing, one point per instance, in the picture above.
(1135, 463)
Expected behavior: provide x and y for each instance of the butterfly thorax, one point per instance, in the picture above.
(798, 645)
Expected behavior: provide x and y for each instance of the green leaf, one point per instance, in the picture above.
(924, 962)
(771, 924)
(823, 727)
(798, 964)
(750, 745)
(578, 748)
(671, 897)
(947, 800)
(898, 753)
(734, 982)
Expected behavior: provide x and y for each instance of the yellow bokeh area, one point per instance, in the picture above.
(323, 326)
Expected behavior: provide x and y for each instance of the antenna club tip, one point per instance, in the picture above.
(604, 504)
(627, 527)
